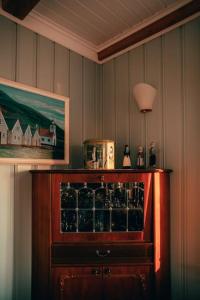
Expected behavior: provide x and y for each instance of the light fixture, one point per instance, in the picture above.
(144, 95)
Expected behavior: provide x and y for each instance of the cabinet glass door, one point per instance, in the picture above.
(101, 207)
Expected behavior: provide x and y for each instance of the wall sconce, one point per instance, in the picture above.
(144, 95)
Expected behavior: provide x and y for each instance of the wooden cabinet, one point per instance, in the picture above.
(100, 234)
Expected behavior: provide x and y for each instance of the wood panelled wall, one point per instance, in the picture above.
(36, 61)
(102, 106)
(172, 64)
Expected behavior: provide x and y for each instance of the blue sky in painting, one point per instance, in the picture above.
(49, 107)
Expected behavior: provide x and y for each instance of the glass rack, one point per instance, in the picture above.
(102, 207)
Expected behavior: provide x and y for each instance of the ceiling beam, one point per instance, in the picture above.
(151, 29)
(19, 9)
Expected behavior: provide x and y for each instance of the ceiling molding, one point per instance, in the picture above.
(58, 34)
(144, 23)
(19, 9)
(150, 38)
(157, 26)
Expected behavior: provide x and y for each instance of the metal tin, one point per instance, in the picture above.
(99, 154)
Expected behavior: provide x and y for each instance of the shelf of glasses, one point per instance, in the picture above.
(102, 207)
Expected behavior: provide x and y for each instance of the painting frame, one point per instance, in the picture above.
(34, 125)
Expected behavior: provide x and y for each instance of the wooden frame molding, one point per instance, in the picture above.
(19, 9)
(26, 128)
(169, 20)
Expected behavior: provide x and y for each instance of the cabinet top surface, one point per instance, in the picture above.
(96, 171)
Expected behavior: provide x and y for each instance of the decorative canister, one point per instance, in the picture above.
(99, 154)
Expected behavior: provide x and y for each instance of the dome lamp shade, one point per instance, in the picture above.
(144, 95)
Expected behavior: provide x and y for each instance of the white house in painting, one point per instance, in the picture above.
(15, 136)
(12, 133)
(46, 137)
(27, 138)
(36, 139)
(3, 130)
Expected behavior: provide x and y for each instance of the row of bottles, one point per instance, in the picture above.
(102, 207)
(102, 195)
(101, 220)
(140, 158)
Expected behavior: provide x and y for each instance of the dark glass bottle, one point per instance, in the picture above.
(127, 158)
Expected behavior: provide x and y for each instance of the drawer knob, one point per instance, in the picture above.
(102, 253)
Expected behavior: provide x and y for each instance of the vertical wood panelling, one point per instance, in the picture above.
(61, 77)
(191, 78)
(22, 232)
(36, 61)
(184, 187)
(89, 103)
(99, 99)
(136, 75)
(45, 63)
(109, 107)
(25, 73)
(153, 75)
(122, 106)
(7, 48)
(7, 70)
(102, 105)
(26, 56)
(6, 232)
(61, 73)
(76, 110)
(172, 64)
(173, 124)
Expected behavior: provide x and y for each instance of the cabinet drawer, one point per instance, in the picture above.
(98, 253)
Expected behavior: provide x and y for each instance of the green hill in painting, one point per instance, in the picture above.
(12, 110)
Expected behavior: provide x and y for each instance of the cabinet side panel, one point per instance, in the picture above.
(161, 235)
(41, 236)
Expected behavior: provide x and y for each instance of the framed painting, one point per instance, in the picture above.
(34, 125)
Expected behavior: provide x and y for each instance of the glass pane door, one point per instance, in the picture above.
(102, 207)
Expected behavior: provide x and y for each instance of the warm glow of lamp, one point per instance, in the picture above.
(144, 95)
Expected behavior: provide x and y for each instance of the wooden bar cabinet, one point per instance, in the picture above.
(100, 234)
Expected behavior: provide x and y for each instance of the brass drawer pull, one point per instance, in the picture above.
(102, 253)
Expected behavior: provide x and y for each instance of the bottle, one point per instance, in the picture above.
(152, 155)
(126, 160)
(140, 157)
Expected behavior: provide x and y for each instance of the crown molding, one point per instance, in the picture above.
(158, 26)
(146, 40)
(143, 24)
(41, 25)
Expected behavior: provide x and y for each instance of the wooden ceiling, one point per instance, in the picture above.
(98, 21)
(106, 26)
